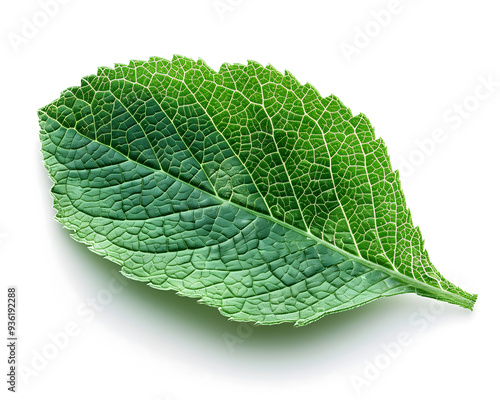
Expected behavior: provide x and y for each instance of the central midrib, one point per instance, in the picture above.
(440, 293)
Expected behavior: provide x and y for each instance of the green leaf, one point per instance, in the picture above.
(241, 187)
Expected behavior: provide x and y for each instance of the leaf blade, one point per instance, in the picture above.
(220, 158)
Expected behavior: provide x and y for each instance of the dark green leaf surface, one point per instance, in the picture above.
(241, 187)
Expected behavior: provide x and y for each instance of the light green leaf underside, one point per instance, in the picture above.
(241, 187)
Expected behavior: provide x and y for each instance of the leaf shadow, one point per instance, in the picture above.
(153, 317)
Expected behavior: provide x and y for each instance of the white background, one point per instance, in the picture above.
(146, 344)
